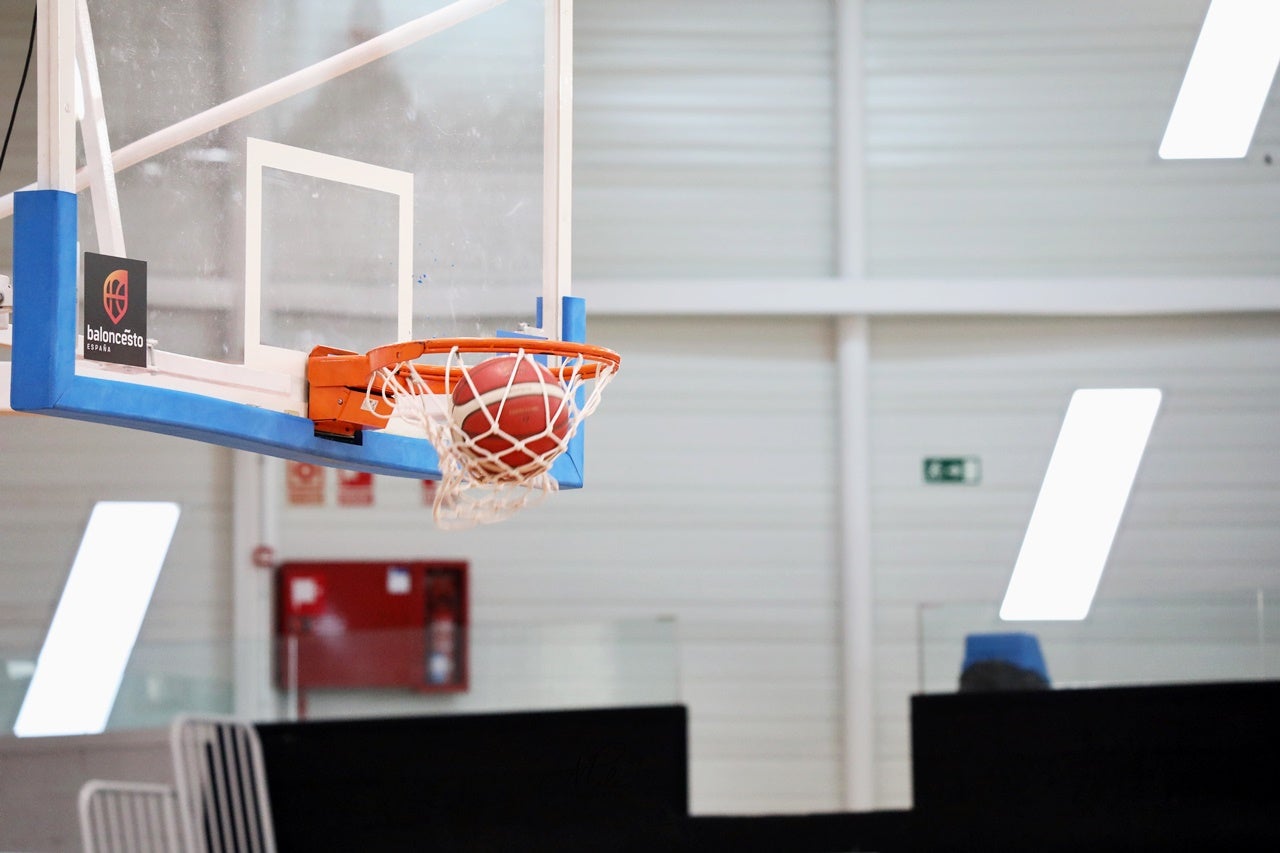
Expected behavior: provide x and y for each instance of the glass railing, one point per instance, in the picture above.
(327, 674)
(1233, 637)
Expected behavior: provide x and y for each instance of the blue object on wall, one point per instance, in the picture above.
(1017, 648)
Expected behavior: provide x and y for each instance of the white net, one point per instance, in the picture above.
(496, 440)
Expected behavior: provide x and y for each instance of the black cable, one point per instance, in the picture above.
(21, 85)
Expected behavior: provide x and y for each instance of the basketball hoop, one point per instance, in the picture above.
(497, 424)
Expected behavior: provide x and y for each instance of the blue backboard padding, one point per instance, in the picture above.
(568, 468)
(243, 427)
(44, 346)
(44, 379)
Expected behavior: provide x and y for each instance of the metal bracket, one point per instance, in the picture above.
(6, 301)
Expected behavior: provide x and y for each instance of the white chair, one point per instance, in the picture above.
(221, 785)
(128, 817)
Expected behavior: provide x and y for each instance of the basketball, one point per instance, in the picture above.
(513, 413)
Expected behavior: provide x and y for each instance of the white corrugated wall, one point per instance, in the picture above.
(703, 141)
(1201, 518)
(54, 471)
(710, 500)
(1010, 141)
(1014, 138)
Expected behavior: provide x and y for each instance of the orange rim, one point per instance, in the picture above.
(342, 383)
(595, 358)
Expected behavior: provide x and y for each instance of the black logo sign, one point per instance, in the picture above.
(115, 310)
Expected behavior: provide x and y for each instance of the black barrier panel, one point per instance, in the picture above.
(1129, 768)
(835, 832)
(609, 779)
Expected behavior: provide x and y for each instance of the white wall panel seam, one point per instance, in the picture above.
(853, 365)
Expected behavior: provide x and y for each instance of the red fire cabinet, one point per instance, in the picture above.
(372, 624)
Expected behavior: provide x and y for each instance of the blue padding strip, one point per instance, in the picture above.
(1015, 647)
(242, 427)
(44, 281)
(567, 469)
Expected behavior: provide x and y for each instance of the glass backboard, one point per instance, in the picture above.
(265, 176)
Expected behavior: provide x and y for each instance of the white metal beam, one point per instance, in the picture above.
(853, 364)
(56, 95)
(557, 145)
(1041, 297)
(97, 142)
(254, 488)
(833, 297)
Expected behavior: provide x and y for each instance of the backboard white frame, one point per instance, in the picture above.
(260, 155)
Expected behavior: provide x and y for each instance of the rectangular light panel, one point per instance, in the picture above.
(1081, 501)
(1227, 81)
(82, 662)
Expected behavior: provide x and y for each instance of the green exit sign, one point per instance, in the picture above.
(953, 469)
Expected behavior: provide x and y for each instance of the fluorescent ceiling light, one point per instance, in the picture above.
(1081, 500)
(82, 662)
(1227, 81)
